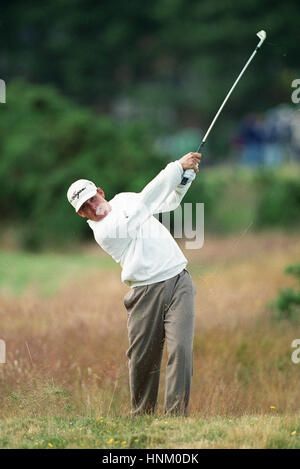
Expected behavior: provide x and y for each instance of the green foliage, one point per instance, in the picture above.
(102, 49)
(237, 199)
(48, 142)
(287, 305)
(280, 199)
(161, 54)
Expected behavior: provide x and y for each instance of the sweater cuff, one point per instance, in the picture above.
(179, 164)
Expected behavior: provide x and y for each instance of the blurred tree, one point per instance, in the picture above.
(172, 60)
(47, 142)
(95, 51)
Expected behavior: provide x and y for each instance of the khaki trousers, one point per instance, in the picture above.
(159, 312)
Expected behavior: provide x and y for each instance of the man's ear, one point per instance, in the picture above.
(81, 213)
(100, 191)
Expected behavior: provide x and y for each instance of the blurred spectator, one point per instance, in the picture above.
(251, 139)
(295, 135)
(272, 151)
(269, 139)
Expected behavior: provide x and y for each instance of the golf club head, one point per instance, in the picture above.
(262, 36)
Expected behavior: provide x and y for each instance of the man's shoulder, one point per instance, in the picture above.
(126, 195)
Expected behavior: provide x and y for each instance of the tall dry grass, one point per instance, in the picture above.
(66, 354)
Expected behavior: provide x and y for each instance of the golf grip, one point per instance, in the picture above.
(188, 173)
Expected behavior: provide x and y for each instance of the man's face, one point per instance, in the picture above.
(96, 207)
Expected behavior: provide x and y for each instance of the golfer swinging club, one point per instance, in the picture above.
(160, 302)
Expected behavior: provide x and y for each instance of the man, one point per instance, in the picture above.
(160, 303)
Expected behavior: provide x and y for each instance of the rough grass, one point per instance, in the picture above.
(151, 432)
(65, 382)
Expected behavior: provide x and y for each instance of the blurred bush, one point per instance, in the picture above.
(237, 198)
(279, 198)
(47, 142)
(287, 305)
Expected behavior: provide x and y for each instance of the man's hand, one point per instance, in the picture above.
(190, 161)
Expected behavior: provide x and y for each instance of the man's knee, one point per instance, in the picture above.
(181, 352)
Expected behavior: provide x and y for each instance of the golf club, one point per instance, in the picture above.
(190, 172)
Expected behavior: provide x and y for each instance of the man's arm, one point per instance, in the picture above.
(165, 189)
(175, 198)
(164, 185)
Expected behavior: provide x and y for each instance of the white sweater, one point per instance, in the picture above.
(130, 233)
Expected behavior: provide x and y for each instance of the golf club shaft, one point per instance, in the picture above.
(186, 174)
